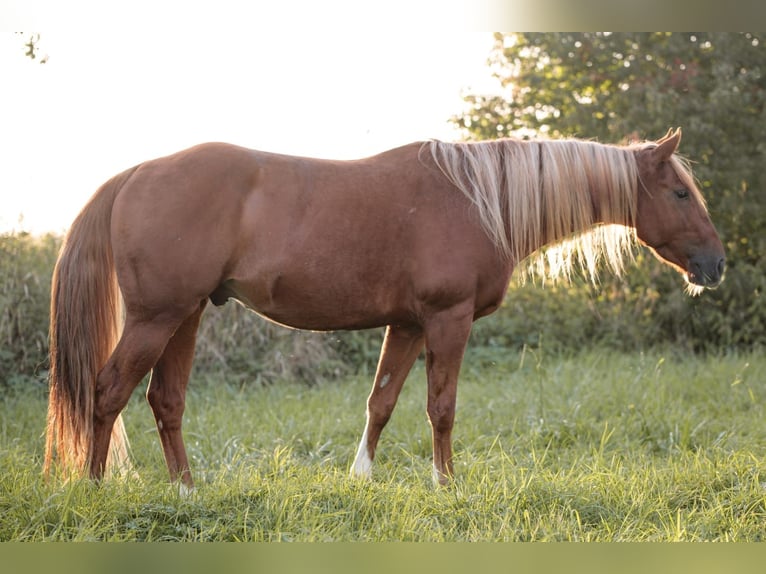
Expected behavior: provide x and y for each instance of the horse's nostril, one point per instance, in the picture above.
(721, 266)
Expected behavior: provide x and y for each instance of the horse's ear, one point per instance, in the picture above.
(666, 136)
(667, 146)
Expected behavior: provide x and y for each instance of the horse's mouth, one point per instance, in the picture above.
(698, 282)
(705, 272)
(703, 280)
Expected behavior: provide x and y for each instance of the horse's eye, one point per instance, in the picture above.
(682, 193)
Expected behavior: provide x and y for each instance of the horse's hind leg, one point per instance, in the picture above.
(141, 344)
(167, 395)
(401, 347)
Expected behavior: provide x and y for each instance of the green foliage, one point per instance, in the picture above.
(600, 446)
(26, 264)
(242, 346)
(625, 86)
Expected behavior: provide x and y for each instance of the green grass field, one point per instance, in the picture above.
(590, 447)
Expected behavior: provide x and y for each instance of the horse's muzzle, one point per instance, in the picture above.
(706, 270)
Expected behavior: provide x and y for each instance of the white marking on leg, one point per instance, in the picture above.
(184, 490)
(384, 380)
(436, 475)
(362, 466)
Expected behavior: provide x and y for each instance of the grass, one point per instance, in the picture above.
(591, 447)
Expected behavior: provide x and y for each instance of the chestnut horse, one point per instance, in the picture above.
(421, 239)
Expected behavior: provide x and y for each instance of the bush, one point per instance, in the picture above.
(243, 347)
(627, 85)
(26, 263)
(620, 314)
(648, 308)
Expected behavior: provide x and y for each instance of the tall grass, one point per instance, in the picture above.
(26, 264)
(593, 446)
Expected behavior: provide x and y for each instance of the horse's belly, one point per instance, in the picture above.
(318, 305)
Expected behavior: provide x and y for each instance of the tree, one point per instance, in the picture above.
(627, 86)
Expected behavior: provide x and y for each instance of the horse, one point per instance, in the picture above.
(421, 239)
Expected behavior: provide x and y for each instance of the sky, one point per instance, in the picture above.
(107, 99)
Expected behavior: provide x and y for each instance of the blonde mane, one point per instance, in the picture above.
(558, 203)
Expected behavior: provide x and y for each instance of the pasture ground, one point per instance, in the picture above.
(595, 446)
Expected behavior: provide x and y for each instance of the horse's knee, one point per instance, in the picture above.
(379, 409)
(442, 416)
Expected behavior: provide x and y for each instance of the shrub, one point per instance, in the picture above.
(646, 309)
(26, 263)
(245, 347)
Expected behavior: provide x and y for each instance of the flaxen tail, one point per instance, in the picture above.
(85, 325)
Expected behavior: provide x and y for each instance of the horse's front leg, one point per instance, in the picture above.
(446, 337)
(401, 347)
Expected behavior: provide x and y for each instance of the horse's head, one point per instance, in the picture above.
(671, 217)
